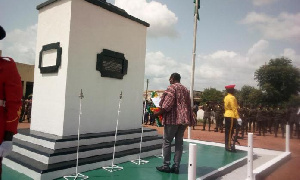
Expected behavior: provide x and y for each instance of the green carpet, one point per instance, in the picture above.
(209, 158)
(9, 174)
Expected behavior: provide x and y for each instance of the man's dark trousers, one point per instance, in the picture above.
(230, 125)
(171, 131)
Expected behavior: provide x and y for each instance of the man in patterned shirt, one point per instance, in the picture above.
(177, 115)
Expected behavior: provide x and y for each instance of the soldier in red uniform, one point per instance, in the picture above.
(10, 102)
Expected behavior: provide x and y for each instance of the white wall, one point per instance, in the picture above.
(91, 29)
(48, 107)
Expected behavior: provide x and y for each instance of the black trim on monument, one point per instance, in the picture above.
(104, 5)
(54, 68)
(44, 4)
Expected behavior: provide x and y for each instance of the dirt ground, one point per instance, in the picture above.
(288, 171)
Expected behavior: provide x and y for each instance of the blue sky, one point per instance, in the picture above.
(234, 37)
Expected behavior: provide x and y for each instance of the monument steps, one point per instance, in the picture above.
(42, 168)
(52, 153)
(56, 142)
(49, 156)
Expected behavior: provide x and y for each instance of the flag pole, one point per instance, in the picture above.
(193, 62)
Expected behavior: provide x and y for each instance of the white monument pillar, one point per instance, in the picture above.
(79, 30)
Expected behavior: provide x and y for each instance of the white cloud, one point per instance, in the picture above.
(291, 54)
(20, 45)
(283, 27)
(213, 70)
(223, 54)
(159, 68)
(260, 46)
(257, 55)
(162, 21)
(262, 2)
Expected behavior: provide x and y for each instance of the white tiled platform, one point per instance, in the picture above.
(266, 160)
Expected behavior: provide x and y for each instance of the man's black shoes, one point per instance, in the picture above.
(164, 169)
(174, 170)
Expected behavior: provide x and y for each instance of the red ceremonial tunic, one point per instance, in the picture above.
(10, 96)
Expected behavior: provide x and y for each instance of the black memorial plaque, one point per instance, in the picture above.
(111, 64)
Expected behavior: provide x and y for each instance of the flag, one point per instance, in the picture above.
(196, 9)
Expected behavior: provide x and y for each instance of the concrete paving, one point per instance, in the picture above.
(242, 171)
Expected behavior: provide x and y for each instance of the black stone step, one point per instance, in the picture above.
(44, 168)
(51, 153)
(54, 138)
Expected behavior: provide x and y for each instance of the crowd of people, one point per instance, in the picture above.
(26, 109)
(260, 120)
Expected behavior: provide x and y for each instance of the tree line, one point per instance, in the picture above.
(278, 84)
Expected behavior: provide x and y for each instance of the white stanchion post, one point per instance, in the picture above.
(192, 161)
(78, 175)
(114, 167)
(287, 138)
(140, 161)
(250, 157)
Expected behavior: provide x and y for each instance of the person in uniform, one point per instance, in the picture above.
(245, 118)
(298, 123)
(292, 111)
(280, 119)
(219, 112)
(252, 118)
(10, 102)
(195, 110)
(22, 110)
(28, 109)
(270, 119)
(231, 116)
(261, 118)
(207, 115)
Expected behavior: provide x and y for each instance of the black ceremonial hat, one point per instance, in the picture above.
(2, 33)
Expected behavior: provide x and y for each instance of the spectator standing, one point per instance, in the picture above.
(177, 115)
(195, 110)
(207, 115)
